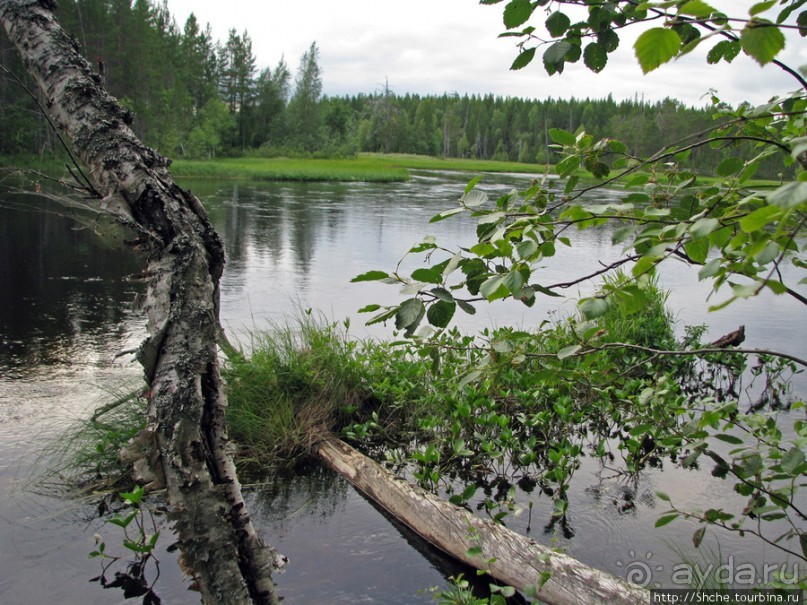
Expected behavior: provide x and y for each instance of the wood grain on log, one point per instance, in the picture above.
(512, 559)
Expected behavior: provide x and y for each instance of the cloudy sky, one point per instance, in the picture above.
(437, 46)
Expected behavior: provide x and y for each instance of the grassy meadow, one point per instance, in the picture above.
(366, 167)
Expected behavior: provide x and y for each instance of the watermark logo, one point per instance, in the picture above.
(640, 570)
(729, 572)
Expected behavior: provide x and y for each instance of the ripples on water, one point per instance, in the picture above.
(66, 305)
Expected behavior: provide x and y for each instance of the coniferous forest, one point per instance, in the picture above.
(196, 97)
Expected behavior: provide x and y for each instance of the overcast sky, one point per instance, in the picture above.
(437, 46)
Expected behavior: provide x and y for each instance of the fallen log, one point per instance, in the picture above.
(512, 559)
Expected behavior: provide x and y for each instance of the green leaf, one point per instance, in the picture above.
(591, 308)
(472, 183)
(595, 57)
(409, 313)
(555, 55)
(656, 46)
(730, 166)
(369, 308)
(697, 537)
(662, 521)
(567, 165)
(789, 196)
(429, 276)
(440, 313)
(725, 49)
(663, 496)
(467, 307)
(645, 264)
(568, 351)
(792, 460)
(492, 288)
(517, 12)
(422, 247)
(729, 438)
(562, 137)
(703, 227)
(761, 7)
(445, 214)
(762, 41)
(513, 281)
(709, 269)
(609, 40)
(523, 59)
(639, 179)
(371, 276)
(557, 23)
(697, 249)
(696, 8)
(797, 147)
(623, 233)
(442, 294)
(759, 218)
(748, 465)
(474, 198)
(526, 249)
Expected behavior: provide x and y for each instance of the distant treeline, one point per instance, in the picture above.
(196, 97)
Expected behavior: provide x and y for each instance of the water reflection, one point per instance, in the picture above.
(66, 308)
(293, 246)
(59, 281)
(341, 548)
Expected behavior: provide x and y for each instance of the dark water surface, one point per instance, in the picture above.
(66, 310)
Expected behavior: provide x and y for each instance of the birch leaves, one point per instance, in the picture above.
(683, 26)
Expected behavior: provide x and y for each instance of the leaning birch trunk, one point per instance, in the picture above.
(185, 261)
(514, 560)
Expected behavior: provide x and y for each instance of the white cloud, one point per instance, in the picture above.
(437, 46)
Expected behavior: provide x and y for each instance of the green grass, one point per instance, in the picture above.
(298, 377)
(366, 168)
(288, 169)
(86, 457)
(422, 162)
(16, 169)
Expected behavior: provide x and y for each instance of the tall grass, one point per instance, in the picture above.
(297, 378)
(85, 457)
(292, 169)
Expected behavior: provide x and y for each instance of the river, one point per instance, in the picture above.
(67, 300)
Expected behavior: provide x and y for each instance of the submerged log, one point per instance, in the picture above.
(512, 559)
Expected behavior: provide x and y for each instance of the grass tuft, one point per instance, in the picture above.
(297, 378)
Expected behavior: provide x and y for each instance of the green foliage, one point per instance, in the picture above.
(138, 523)
(460, 593)
(194, 97)
(612, 381)
(295, 379)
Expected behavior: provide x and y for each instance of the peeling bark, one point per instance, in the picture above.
(185, 261)
(511, 558)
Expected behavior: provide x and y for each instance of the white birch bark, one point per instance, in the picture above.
(185, 261)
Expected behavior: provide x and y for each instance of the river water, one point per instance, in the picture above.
(67, 300)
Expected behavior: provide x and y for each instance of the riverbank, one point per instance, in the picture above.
(366, 167)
